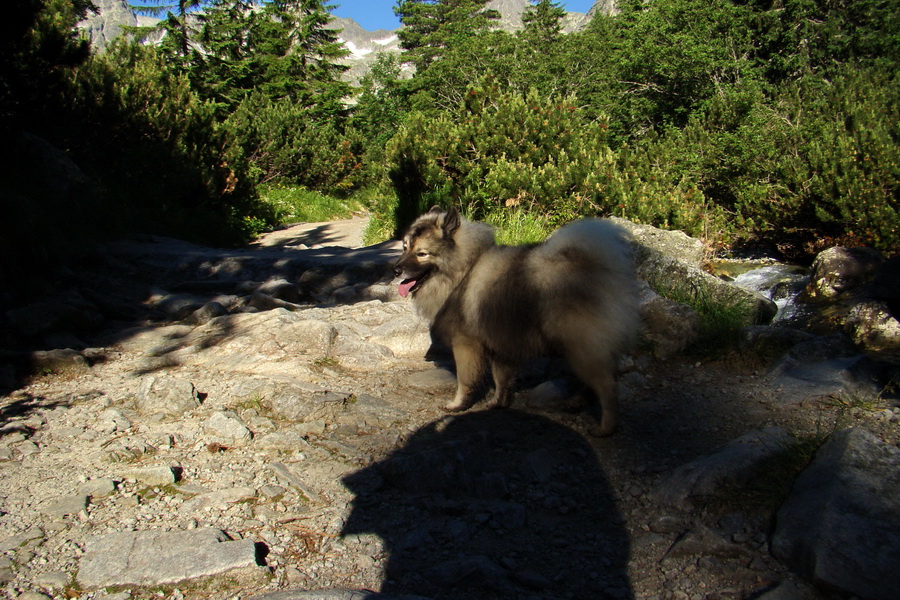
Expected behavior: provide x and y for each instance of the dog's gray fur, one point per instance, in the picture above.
(574, 294)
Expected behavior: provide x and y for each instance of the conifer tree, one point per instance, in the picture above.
(298, 55)
(431, 26)
(223, 70)
(543, 22)
(175, 27)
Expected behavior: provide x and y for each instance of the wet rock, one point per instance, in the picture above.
(666, 272)
(840, 271)
(840, 527)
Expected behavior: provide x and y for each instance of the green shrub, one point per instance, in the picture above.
(816, 164)
(286, 141)
(508, 152)
(499, 151)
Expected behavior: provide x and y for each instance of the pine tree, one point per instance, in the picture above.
(298, 55)
(543, 22)
(431, 26)
(223, 71)
(175, 27)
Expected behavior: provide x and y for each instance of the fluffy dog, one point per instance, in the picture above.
(572, 295)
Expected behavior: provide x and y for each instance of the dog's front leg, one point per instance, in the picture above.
(469, 357)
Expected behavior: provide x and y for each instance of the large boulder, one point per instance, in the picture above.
(670, 261)
(840, 527)
(838, 271)
(856, 290)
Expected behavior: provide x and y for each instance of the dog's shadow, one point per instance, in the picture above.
(494, 504)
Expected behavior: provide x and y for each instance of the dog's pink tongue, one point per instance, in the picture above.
(405, 286)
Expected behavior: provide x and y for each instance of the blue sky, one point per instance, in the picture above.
(379, 14)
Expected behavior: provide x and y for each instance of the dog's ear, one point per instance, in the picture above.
(451, 222)
(435, 210)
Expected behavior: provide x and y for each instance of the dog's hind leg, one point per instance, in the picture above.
(503, 375)
(469, 357)
(599, 375)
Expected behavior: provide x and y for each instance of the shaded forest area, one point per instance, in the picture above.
(749, 123)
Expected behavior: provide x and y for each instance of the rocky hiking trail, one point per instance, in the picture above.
(264, 424)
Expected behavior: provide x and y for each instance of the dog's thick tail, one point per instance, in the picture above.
(592, 245)
(587, 266)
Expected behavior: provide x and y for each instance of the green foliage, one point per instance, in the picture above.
(519, 226)
(747, 121)
(175, 29)
(815, 164)
(504, 151)
(797, 38)
(432, 26)
(543, 22)
(170, 166)
(291, 204)
(382, 102)
(667, 57)
(287, 141)
(500, 150)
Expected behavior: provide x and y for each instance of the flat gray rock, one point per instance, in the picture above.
(150, 558)
(732, 463)
(841, 524)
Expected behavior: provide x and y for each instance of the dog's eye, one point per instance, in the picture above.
(421, 254)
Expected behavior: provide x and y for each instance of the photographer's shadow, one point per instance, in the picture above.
(494, 504)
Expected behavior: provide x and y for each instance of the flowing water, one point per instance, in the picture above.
(779, 282)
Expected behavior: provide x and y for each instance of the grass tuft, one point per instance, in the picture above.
(294, 204)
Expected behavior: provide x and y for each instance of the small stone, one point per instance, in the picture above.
(97, 488)
(160, 475)
(224, 427)
(53, 580)
(67, 505)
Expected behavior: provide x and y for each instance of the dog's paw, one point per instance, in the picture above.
(454, 407)
(602, 429)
